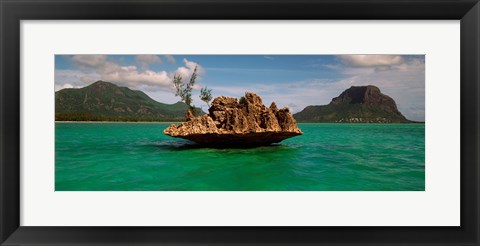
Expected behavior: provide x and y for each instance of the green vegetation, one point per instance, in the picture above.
(184, 90)
(206, 95)
(93, 117)
(345, 113)
(358, 104)
(104, 101)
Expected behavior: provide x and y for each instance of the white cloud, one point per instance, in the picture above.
(145, 60)
(99, 67)
(63, 86)
(371, 60)
(404, 82)
(148, 58)
(296, 95)
(170, 59)
(87, 79)
(98, 63)
(89, 60)
(74, 78)
(187, 71)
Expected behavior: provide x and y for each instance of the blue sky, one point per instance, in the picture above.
(295, 81)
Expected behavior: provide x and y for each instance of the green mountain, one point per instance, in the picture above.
(358, 104)
(105, 101)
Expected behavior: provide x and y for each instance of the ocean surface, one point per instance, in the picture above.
(328, 157)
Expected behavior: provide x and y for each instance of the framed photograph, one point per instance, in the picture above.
(239, 122)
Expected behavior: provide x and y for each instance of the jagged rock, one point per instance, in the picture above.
(358, 104)
(238, 123)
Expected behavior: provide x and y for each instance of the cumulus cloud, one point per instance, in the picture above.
(98, 63)
(404, 82)
(76, 78)
(371, 60)
(186, 72)
(89, 60)
(63, 86)
(145, 60)
(170, 59)
(148, 58)
(98, 67)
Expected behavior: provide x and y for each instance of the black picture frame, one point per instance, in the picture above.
(13, 11)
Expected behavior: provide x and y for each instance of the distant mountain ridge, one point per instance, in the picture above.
(358, 104)
(105, 101)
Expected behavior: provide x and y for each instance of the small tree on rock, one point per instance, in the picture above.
(184, 90)
(206, 95)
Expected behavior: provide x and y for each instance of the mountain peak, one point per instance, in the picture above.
(101, 83)
(103, 100)
(357, 104)
(361, 94)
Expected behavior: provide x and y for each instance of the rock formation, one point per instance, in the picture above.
(358, 104)
(231, 122)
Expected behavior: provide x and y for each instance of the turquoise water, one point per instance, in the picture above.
(328, 157)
